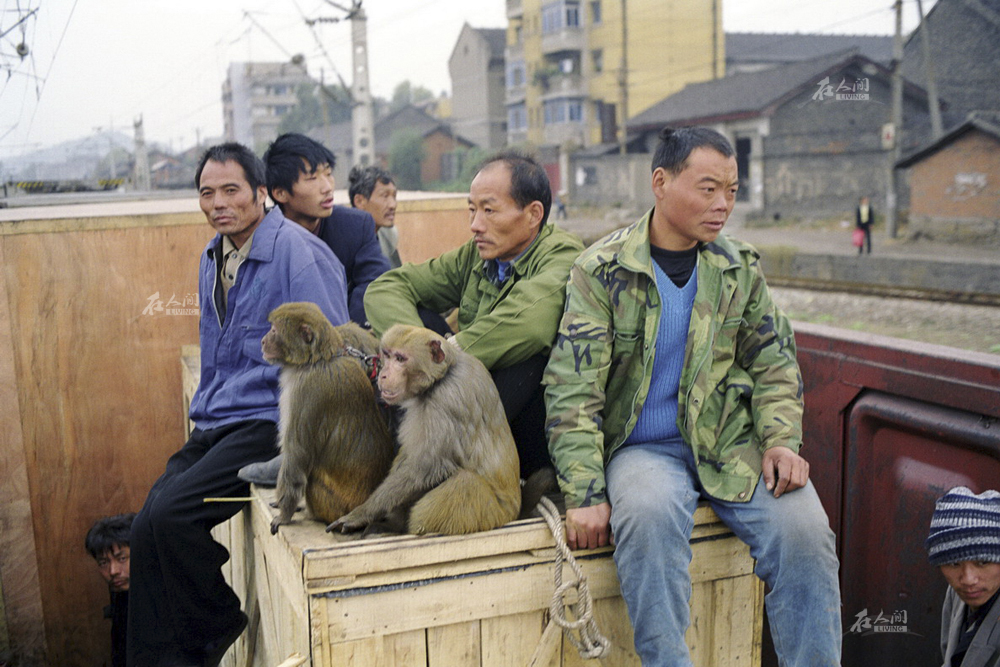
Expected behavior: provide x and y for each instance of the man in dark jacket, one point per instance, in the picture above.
(964, 542)
(107, 542)
(300, 181)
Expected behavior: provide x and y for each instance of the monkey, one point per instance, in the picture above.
(336, 446)
(457, 469)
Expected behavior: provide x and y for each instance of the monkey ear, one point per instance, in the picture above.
(306, 333)
(437, 354)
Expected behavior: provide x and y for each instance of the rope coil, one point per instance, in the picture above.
(591, 643)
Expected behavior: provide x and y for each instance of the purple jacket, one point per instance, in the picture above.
(286, 263)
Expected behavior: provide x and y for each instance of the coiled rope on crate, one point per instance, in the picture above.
(591, 644)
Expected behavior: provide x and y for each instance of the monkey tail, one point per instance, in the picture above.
(464, 503)
(538, 484)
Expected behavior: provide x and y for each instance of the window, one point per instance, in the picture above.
(515, 74)
(563, 110)
(517, 118)
(572, 14)
(559, 15)
(597, 57)
(595, 11)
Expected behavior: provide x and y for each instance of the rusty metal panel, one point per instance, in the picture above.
(889, 426)
(901, 456)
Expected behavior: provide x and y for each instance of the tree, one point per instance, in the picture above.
(406, 153)
(406, 93)
(309, 112)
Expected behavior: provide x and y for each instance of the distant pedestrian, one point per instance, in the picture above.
(864, 217)
(560, 204)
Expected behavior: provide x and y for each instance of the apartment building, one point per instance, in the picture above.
(569, 81)
(254, 98)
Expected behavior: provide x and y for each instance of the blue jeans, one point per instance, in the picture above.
(654, 490)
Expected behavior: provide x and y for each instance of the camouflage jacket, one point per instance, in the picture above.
(740, 390)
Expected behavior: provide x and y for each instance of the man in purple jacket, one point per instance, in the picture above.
(181, 611)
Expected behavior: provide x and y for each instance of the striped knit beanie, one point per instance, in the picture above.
(965, 526)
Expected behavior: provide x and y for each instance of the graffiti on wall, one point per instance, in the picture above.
(967, 185)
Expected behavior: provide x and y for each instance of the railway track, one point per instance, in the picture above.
(914, 293)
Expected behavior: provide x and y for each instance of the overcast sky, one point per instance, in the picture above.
(99, 63)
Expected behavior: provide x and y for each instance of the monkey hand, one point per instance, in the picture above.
(346, 524)
(277, 521)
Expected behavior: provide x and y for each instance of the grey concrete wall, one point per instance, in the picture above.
(893, 272)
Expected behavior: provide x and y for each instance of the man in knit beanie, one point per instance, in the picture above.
(964, 542)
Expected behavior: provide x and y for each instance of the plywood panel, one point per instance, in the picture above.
(429, 228)
(21, 597)
(95, 366)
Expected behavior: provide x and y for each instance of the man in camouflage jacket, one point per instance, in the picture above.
(737, 396)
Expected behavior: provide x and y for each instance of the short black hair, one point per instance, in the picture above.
(283, 160)
(253, 168)
(677, 144)
(528, 180)
(362, 180)
(109, 532)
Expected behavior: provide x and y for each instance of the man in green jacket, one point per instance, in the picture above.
(508, 283)
(674, 379)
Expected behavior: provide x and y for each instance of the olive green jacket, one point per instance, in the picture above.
(740, 389)
(500, 325)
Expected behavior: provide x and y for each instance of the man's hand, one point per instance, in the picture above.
(784, 470)
(589, 527)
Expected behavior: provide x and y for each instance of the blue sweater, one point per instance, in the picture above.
(657, 421)
(286, 263)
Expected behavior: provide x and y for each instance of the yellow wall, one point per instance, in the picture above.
(671, 43)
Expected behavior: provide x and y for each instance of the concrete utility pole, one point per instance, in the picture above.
(362, 114)
(623, 84)
(891, 203)
(925, 46)
(141, 179)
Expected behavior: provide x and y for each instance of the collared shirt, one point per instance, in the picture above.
(229, 266)
(497, 270)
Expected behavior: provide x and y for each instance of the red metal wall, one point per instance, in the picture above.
(890, 425)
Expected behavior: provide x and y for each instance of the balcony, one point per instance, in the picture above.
(566, 39)
(563, 85)
(515, 95)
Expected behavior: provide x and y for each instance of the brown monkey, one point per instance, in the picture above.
(457, 466)
(335, 444)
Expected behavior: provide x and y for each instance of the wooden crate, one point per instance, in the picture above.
(452, 601)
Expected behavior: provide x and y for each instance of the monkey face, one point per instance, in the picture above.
(392, 375)
(270, 347)
(300, 334)
(412, 360)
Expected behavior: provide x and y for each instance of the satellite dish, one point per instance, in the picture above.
(22, 50)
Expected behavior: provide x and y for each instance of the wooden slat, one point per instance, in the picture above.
(509, 640)
(455, 645)
(333, 561)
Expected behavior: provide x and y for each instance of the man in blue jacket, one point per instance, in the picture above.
(181, 611)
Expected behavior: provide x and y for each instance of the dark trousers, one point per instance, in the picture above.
(522, 395)
(178, 598)
(867, 229)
